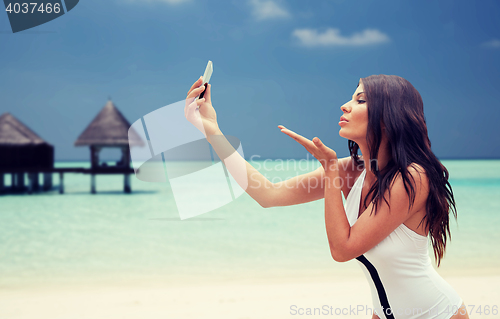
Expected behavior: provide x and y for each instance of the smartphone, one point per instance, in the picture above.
(206, 77)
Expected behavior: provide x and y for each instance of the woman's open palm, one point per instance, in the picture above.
(325, 155)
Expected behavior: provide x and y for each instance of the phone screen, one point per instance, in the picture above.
(206, 77)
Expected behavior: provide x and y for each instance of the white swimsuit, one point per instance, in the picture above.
(403, 283)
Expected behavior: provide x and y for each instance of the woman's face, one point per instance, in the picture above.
(356, 116)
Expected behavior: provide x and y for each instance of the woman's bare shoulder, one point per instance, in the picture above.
(419, 180)
(418, 175)
(416, 168)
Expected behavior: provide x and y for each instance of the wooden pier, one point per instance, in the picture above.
(18, 178)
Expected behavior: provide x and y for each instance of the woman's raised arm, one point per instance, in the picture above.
(300, 189)
(310, 186)
(297, 190)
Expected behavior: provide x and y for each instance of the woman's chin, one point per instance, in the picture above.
(342, 134)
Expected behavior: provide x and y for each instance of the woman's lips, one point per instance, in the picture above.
(343, 120)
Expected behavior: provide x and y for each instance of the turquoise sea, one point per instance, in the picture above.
(80, 238)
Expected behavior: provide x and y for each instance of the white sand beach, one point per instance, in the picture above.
(81, 256)
(348, 297)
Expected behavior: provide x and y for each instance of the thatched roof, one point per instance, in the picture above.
(108, 128)
(13, 132)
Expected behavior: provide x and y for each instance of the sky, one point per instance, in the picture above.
(276, 62)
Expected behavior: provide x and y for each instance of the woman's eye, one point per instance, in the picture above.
(361, 101)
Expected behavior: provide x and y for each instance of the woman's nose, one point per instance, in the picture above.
(345, 107)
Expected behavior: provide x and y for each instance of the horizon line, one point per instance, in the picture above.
(278, 158)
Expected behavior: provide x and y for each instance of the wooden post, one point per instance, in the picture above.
(36, 181)
(61, 183)
(94, 156)
(47, 181)
(126, 162)
(92, 183)
(12, 182)
(126, 183)
(31, 180)
(126, 156)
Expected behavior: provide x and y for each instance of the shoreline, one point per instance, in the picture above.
(339, 272)
(216, 300)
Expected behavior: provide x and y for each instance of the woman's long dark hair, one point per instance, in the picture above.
(394, 102)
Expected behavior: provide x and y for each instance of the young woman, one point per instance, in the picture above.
(399, 200)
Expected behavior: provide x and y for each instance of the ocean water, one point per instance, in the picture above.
(83, 238)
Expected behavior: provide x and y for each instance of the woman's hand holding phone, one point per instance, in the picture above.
(200, 112)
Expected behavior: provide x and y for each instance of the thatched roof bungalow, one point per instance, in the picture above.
(21, 147)
(109, 129)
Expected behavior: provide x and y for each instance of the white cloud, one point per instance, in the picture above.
(268, 9)
(332, 37)
(495, 43)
